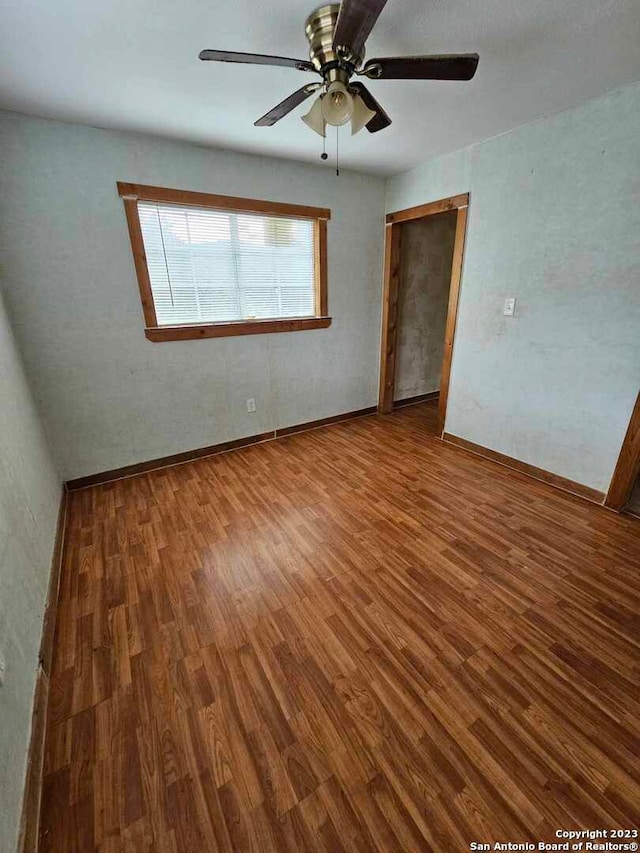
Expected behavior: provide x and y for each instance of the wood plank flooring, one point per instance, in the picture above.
(355, 638)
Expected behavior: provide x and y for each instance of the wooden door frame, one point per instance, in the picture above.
(392, 245)
(628, 464)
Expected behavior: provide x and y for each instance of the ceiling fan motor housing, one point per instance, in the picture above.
(333, 64)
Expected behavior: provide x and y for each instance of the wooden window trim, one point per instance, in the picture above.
(320, 267)
(131, 194)
(140, 261)
(141, 192)
(235, 327)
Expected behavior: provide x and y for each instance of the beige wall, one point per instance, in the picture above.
(29, 500)
(425, 273)
(554, 221)
(108, 395)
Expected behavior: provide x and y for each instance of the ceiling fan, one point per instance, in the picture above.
(337, 34)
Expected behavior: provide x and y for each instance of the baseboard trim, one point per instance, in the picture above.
(212, 450)
(532, 471)
(51, 608)
(420, 398)
(163, 462)
(334, 419)
(30, 818)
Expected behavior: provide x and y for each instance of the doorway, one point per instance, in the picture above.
(424, 248)
(633, 504)
(624, 489)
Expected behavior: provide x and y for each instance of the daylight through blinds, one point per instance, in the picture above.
(209, 266)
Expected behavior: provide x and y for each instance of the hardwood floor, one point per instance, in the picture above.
(356, 638)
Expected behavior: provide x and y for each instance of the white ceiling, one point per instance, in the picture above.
(133, 64)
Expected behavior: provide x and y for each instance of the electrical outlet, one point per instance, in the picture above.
(509, 307)
(251, 405)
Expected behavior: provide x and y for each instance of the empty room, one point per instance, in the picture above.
(319, 426)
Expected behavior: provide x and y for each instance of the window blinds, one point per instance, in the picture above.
(209, 266)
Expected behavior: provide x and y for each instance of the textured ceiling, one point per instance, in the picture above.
(133, 64)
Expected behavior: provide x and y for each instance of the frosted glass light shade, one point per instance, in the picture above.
(337, 104)
(362, 115)
(315, 118)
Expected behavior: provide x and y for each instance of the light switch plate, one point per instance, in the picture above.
(509, 306)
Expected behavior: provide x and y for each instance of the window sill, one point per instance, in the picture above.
(240, 327)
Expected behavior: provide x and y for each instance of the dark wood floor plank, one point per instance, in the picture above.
(357, 638)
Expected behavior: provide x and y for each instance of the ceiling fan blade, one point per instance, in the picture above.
(255, 59)
(284, 107)
(461, 66)
(381, 119)
(356, 19)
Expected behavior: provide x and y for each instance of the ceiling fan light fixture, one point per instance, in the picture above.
(362, 115)
(337, 33)
(315, 118)
(337, 104)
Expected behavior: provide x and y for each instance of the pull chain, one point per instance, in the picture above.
(337, 151)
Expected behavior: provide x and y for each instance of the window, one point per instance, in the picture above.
(210, 265)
